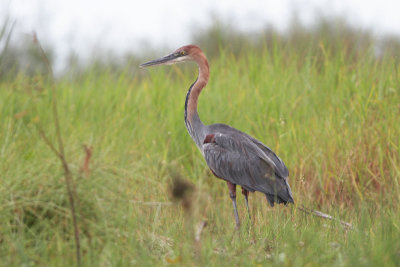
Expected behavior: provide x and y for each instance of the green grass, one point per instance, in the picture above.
(333, 119)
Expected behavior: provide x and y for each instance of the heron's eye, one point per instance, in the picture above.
(182, 53)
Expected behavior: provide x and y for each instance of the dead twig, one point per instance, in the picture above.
(325, 216)
(48, 142)
(60, 152)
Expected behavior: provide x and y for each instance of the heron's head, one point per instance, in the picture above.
(185, 53)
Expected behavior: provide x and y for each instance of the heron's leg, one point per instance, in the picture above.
(246, 197)
(232, 194)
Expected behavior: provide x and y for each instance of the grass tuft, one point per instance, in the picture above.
(332, 118)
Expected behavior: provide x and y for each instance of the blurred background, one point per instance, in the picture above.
(115, 34)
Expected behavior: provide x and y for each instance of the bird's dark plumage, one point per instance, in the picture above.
(240, 159)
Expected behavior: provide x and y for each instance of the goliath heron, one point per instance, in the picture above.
(232, 155)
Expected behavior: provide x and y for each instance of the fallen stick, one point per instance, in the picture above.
(325, 216)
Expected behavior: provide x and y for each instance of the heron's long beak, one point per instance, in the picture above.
(170, 59)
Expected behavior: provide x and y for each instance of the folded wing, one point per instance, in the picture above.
(243, 160)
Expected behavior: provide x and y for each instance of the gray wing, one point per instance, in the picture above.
(281, 170)
(235, 157)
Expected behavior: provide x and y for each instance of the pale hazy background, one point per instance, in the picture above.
(82, 26)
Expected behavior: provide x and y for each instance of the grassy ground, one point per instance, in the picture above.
(333, 119)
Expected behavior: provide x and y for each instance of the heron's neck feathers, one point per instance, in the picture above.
(192, 119)
(195, 91)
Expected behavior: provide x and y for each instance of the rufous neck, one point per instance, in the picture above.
(201, 82)
(192, 120)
